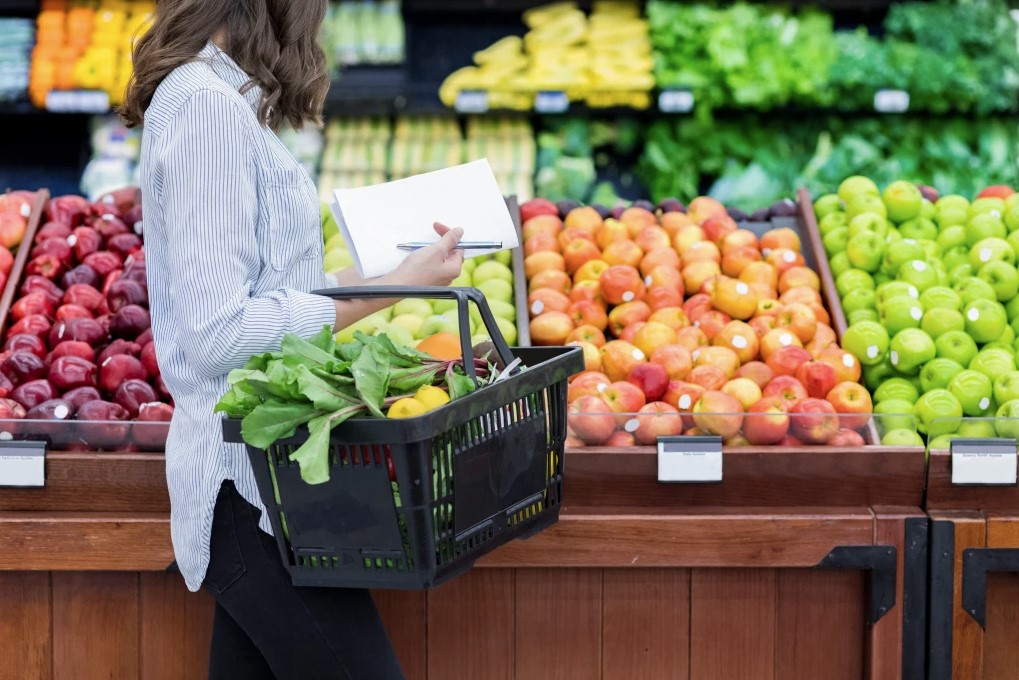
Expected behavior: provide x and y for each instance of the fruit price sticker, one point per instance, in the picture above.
(891, 101)
(77, 101)
(675, 101)
(551, 101)
(689, 459)
(984, 462)
(22, 464)
(472, 101)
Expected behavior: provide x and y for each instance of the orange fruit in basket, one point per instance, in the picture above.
(445, 346)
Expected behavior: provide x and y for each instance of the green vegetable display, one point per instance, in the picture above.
(321, 384)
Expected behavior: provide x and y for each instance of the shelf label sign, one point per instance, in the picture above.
(689, 459)
(984, 462)
(891, 101)
(675, 101)
(77, 101)
(22, 464)
(472, 101)
(551, 101)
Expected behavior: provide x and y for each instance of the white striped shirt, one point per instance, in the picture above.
(233, 243)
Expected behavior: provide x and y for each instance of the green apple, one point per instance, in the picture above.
(937, 412)
(504, 257)
(893, 289)
(951, 217)
(928, 210)
(973, 288)
(859, 315)
(487, 271)
(940, 297)
(1013, 241)
(503, 310)
(918, 273)
(987, 206)
(465, 280)
(896, 388)
(952, 237)
(990, 250)
(438, 323)
(901, 437)
(1002, 277)
(899, 252)
(984, 226)
(937, 322)
(900, 314)
(479, 338)
(910, 349)
(470, 265)
(880, 372)
(508, 330)
(992, 362)
(336, 260)
(1006, 387)
(367, 325)
(903, 200)
(415, 306)
(954, 259)
(895, 414)
(496, 289)
(881, 277)
(864, 204)
(893, 234)
(957, 346)
(977, 429)
(865, 251)
(839, 264)
(937, 373)
(398, 334)
(827, 204)
(1006, 422)
(1012, 308)
(835, 241)
(859, 298)
(1011, 216)
(852, 280)
(919, 228)
(868, 222)
(973, 389)
(867, 341)
(1008, 336)
(985, 320)
(409, 322)
(942, 442)
(953, 201)
(831, 222)
(857, 185)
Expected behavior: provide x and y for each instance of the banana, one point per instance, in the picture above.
(507, 48)
(539, 16)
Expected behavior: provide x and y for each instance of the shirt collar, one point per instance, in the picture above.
(232, 74)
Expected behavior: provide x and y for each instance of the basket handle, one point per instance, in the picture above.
(463, 296)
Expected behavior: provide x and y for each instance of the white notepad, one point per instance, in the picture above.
(375, 219)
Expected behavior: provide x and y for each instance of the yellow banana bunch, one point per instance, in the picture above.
(510, 47)
(539, 16)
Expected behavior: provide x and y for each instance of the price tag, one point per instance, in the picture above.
(77, 101)
(675, 101)
(22, 464)
(984, 462)
(472, 101)
(689, 459)
(551, 101)
(891, 101)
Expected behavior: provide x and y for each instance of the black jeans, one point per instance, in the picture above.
(266, 628)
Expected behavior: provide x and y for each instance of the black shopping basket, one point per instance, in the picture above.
(413, 503)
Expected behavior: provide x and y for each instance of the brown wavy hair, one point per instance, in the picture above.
(274, 41)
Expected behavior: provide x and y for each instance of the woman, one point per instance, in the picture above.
(233, 247)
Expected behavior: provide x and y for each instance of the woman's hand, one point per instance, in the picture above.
(436, 265)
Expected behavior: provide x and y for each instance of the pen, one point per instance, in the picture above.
(463, 245)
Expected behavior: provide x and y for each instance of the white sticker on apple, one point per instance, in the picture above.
(916, 313)
(985, 254)
(638, 355)
(26, 211)
(742, 288)
(60, 411)
(984, 403)
(631, 425)
(72, 239)
(766, 251)
(995, 213)
(6, 436)
(973, 314)
(909, 240)
(789, 256)
(872, 352)
(602, 387)
(685, 401)
(537, 308)
(628, 296)
(739, 342)
(786, 339)
(913, 292)
(848, 361)
(647, 280)
(696, 353)
(919, 266)
(895, 358)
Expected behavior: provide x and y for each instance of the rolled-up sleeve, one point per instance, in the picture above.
(210, 213)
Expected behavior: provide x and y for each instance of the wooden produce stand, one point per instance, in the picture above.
(974, 604)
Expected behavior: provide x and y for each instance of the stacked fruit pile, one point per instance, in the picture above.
(356, 32)
(603, 60)
(79, 345)
(929, 286)
(86, 46)
(690, 322)
(413, 321)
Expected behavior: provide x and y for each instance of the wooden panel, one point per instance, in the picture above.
(471, 627)
(754, 477)
(25, 626)
(941, 495)
(176, 628)
(103, 482)
(885, 644)
(728, 538)
(93, 541)
(95, 626)
(819, 629)
(1001, 641)
(646, 624)
(403, 613)
(558, 624)
(967, 635)
(732, 624)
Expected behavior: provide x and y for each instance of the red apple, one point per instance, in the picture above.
(853, 404)
(683, 396)
(789, 441)
(758, 371)
(787, 387)
(767, 421)
(621, 439)
(591, 420)
(848, 439)
(652, 379)
(623, 398)
(588, 383)
(657, 419)
(787, 360)
(718, 413)
(814, 421)
(818, 377)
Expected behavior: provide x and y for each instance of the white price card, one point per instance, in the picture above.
(891, 101)
(471, 101)
(77, 101)
(689, 459)
(984, 462)
(551, 101)
(675, 101)
(22, 464)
